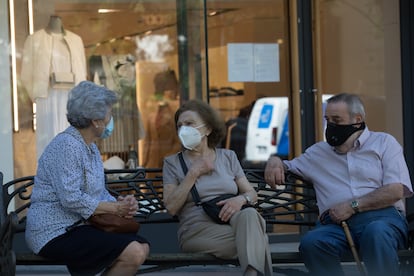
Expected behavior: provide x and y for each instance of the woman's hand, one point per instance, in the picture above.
(202, 165)
(174, 196)
(127, 206)
(230, 207)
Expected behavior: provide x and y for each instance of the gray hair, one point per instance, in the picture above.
(354, 103)
(88, 101)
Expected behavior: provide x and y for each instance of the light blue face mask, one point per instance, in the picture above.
(109, 128)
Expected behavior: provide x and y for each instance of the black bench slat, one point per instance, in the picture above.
(33, 259)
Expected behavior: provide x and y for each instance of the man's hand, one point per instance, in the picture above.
(274, 171)
(341, 212)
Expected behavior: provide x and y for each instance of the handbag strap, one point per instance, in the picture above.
(194, 192)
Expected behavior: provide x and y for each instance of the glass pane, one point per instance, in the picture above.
(249, 79)
(359, 52)
(128, 46)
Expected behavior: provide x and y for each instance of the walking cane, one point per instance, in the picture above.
(353, 249)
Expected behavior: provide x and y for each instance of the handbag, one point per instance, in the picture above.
(114, 223)
(210, 207)
(62, 79)
(213, 210)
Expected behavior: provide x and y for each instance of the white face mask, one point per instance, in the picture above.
(190, 137)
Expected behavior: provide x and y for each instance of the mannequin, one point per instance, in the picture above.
(55, 25)
(160, 139)
(117, 72)
(48, 53)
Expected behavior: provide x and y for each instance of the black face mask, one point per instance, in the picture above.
(336, 135)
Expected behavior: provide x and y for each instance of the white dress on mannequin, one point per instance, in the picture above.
(51, 111)
(51, 50)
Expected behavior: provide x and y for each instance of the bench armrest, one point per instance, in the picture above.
(7, 255)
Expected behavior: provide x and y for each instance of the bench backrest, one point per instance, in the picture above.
(18, 190)
(292, 203)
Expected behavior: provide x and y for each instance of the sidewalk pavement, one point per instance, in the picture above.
(210, 270)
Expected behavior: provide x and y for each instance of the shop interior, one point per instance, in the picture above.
(133, 48)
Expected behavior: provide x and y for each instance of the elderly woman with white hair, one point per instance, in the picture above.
(70, 187)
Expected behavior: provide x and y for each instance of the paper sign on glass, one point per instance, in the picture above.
(266, 62)
(254, 62)
(240, 62)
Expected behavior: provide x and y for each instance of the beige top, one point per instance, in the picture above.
(37, 53)
(60, 59)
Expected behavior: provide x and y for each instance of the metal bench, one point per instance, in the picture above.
(291, 204)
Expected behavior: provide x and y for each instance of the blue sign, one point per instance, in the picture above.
(283, 146)
(265, 116)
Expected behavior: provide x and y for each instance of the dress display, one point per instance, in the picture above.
(161, 139)
(117, 72)
(51, 51)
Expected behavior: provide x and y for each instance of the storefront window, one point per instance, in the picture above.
(249, 75)
(153, 54)
(358, 51)
(130, 47)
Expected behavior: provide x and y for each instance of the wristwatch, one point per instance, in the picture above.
(248, 200)
(355, 206)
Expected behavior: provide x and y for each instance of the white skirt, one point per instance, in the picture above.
(50, 117)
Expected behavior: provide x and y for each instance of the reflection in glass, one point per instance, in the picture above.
(248, 60)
